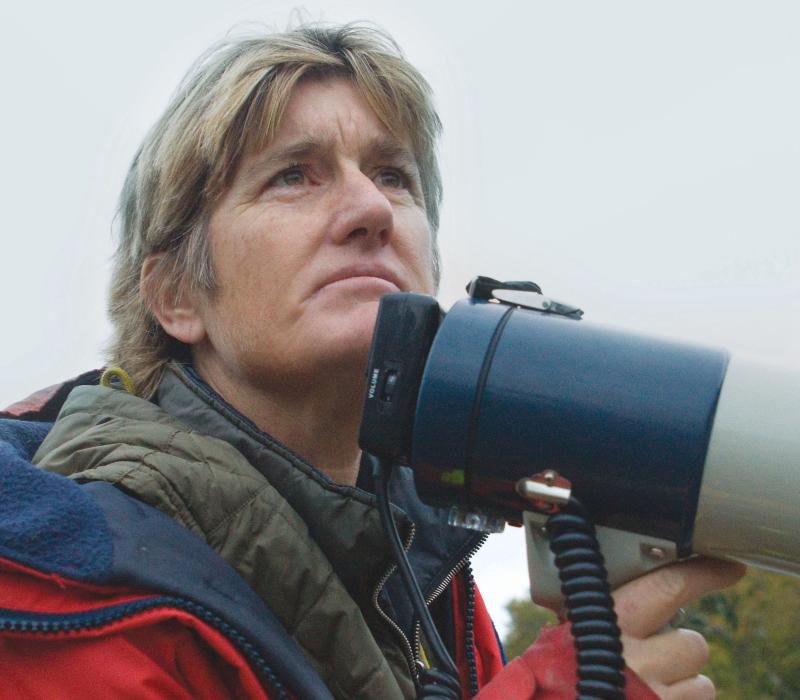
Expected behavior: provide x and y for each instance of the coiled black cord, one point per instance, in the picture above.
(438, 685)
(590, 608)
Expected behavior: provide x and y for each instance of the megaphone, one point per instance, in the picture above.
(510, 402)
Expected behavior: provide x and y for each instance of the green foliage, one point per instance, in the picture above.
(753, 630)
(526, 621)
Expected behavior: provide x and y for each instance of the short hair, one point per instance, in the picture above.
(228, 105)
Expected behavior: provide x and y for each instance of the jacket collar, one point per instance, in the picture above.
(343, 520)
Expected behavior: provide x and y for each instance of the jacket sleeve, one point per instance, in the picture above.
(152, 653)
(547, 671)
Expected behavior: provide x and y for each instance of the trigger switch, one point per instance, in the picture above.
(389, 385)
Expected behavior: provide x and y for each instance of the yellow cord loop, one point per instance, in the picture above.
(107, 379)
(423, 656)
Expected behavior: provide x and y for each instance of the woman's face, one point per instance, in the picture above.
(313, 231)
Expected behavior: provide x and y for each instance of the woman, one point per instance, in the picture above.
(290, 183)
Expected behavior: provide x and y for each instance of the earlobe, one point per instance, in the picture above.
(177, 313)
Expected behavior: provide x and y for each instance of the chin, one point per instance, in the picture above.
(360, 325)
(347, 336)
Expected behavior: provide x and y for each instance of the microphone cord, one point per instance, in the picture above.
(590, 607)
(584, 583)
(440, 683)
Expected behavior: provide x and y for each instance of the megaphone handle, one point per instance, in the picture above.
(627, 555)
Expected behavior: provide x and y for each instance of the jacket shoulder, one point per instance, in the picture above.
(44, 405)
(101, 545)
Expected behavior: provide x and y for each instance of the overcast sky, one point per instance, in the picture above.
(639, 159)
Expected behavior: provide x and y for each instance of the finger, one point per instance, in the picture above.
(647, 603)
(697, 688)
(668, 657)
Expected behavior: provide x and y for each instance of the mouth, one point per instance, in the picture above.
(365, 274)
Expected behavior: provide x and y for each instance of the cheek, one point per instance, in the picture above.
(248, 262)
(234, 251)
(419, 256)
(262, 285)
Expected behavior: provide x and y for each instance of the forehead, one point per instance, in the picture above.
(326, 104)
(327, 115)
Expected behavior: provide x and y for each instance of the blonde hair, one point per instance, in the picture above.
(230, 104)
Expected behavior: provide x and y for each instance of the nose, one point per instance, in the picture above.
(363, 213)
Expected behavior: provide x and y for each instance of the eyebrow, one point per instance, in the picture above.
(296, 150)
(391, 150)
(381, 147)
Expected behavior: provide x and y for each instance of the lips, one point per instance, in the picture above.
(362, 270)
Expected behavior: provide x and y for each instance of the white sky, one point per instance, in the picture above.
(641, 160)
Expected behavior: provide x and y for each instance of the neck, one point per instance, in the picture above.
(319, 423)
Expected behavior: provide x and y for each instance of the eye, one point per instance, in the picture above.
(393, 178)
(291, 177)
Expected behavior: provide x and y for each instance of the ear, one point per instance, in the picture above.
(178, 314)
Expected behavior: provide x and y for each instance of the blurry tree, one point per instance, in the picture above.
(754, 633)
(526, 621)
(753, 630)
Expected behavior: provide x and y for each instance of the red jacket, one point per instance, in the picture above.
(102, 596)
(160, 650)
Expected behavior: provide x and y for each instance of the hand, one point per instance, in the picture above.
(670, 661)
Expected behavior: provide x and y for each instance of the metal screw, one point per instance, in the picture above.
(656, 553)
(549, 477)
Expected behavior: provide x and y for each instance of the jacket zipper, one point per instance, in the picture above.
(44, 623)
(408, 650)
(469, 628)
(440, 589)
